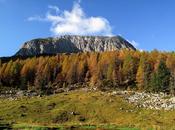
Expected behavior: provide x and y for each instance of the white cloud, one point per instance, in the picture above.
(54, 8)
(75, 22)
(36, 17)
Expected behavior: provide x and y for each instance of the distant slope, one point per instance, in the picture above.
(73, 44)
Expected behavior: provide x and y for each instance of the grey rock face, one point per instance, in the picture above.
(73, 44)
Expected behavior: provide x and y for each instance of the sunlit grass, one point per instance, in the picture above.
(85, 109)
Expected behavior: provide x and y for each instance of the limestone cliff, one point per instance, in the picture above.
(73, 44)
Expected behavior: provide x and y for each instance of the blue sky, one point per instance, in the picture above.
(148, 23)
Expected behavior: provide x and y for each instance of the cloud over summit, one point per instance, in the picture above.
(75, 22)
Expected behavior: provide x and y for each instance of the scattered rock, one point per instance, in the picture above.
(151, 100)
(20, 94)
(75, 113)
(121, 108)
(172, 100)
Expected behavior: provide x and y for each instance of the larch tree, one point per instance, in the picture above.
(129, 70)
(7, 73)
(140, 76)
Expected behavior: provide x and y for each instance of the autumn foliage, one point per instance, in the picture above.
(142, 71)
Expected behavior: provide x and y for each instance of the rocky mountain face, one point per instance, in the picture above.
(73, 44)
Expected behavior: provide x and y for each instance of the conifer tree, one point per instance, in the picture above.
(140, 74)
(0, 73)
(129, 70)
(15, 74)
(110, 71)
(161, 78)
(172, 85)
(7, 73)
(147, 76)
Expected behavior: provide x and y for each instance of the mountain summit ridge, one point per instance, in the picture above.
(73, 44)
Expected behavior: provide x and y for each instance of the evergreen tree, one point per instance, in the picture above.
(172, 84)
(154, 84)
(170, 61)
(147, 76)
(15, 74)
(161, 78)
(23, 77)
(0, 73)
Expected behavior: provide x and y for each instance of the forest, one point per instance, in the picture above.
(127, 70)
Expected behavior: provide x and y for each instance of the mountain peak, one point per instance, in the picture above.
(73, 44)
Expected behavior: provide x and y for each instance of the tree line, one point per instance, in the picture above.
(143, 71)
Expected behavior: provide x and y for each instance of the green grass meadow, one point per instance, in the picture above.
(82, 110)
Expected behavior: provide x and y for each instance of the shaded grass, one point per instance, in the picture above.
(85, 109)
(85, 127)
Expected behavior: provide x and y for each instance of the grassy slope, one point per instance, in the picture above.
(91, 108)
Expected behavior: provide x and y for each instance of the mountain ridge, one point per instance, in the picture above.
(73, 44)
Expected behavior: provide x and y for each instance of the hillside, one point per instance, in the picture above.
(73, 44)
(83, 90)
(85, 109)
